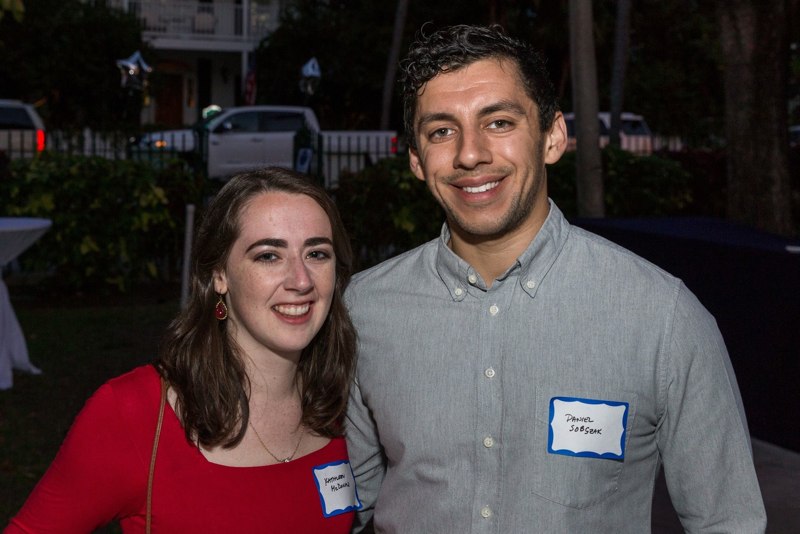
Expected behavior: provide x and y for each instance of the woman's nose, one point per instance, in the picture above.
(298, 276)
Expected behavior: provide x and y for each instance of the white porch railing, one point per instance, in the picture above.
(207, 21)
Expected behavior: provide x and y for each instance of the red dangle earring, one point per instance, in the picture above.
(220, 310)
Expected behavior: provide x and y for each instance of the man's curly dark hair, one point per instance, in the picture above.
(455, 47)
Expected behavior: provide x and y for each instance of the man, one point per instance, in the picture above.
(519, 374)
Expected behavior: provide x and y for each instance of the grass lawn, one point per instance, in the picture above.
(79, 344)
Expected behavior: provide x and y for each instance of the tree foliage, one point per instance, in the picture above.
(349, 48)
(62, 56)
(351, 40)
(673, 76)
(14, 7)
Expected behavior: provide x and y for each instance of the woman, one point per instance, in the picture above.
(255, 372)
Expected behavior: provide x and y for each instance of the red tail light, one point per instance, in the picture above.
(39, 140)
(394, 145)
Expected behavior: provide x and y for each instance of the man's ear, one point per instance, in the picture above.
(415, 163)
(555, 142)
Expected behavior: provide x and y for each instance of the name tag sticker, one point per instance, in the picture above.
(587, 427)
(337, 488)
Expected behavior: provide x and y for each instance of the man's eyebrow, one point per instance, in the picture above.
(434, 117)
(503, 105)
(508, 106)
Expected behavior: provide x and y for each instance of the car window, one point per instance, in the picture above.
(245, 122)
(635, 127)
(282, 121)
(15, 119)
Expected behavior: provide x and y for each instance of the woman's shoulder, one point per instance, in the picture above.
(134, 393)
(138, 377)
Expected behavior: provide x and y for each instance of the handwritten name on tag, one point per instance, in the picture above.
(337, 488)
(587, 427)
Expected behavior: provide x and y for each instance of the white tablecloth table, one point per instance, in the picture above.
(16, 235)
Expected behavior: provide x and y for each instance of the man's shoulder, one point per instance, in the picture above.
(379, 289)
(615, 252)
(404, 266)
(603, 259)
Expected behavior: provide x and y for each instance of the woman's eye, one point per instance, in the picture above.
(267, 257)
(319, 255)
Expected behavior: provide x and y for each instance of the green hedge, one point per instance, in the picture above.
(387, 210)
(634, 186)
(115, 223)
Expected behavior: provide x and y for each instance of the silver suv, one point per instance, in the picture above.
(22, 133)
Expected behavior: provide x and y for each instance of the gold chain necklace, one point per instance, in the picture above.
(279, 460)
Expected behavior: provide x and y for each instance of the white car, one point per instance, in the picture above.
(238, 139)
(635, 135)
(22, 132)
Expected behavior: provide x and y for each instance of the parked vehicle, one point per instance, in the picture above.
(635, 134)
(238, 139)
(22, 132)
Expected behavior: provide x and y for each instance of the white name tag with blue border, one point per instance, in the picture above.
(337, 488)
(587, 427)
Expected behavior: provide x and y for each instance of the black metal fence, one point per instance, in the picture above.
(340, 152)
(16, 144)
(327, 155)
(333, 152)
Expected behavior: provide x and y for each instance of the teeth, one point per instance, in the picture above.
(291, 309)
(481, 189)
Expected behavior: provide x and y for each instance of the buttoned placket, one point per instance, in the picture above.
(489, 399)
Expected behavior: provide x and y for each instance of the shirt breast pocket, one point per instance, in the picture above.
(572, 465)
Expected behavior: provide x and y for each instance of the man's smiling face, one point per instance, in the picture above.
(480, 149)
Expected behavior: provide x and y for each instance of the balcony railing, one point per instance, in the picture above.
(218, 21)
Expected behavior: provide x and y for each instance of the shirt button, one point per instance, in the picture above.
(489, 372)
(472, 279)
(530, 284)
(459, 291)
(486, 512)
(493, 309)
(488, 442)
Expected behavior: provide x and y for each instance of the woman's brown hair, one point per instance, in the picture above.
(201, 361)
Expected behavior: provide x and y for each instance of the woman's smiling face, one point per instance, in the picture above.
(279, 277)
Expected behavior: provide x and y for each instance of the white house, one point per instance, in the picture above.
(203, 51)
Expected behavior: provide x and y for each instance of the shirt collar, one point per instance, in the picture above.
(530, 268)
